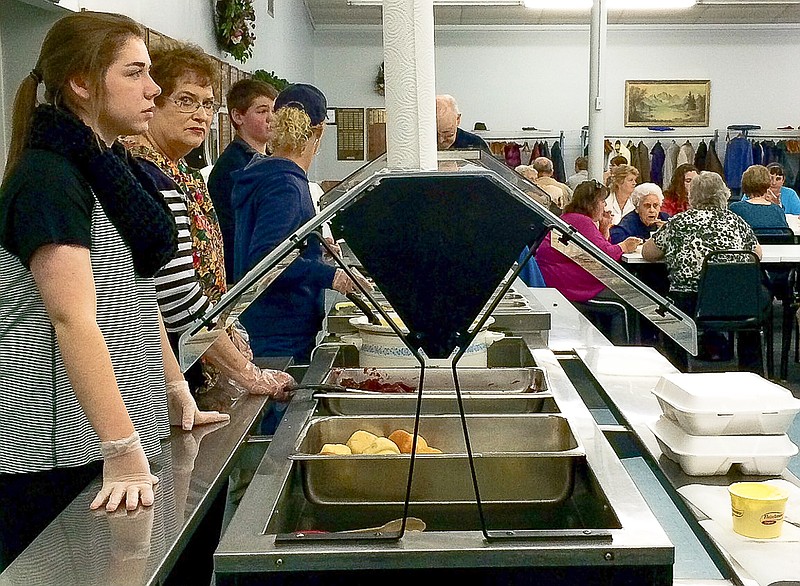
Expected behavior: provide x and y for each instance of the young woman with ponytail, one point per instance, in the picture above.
(84, 360)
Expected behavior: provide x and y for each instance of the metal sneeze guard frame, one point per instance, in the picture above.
(657, 309)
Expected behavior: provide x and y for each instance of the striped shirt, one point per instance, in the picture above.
(42, 425)
(179, 293)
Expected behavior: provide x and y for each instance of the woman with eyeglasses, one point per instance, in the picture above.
(676, 195)
(88, 384)
(195, 279)
(778, 193)
(587, 213)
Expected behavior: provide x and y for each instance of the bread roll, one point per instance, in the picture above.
(335, 450)
(405, 441)
(429, 450)
(360, 440)
(382, 445)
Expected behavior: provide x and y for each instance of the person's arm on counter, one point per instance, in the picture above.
(63, 275)
(183, 409)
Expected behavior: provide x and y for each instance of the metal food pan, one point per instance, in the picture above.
(472, 380)
(484, 390)
(334, 403)
(518, 459)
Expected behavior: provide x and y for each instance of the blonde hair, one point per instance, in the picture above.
(619, 173)
(292, 129)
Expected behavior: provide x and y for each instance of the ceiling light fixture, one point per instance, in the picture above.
(446, 2)
(612, 4)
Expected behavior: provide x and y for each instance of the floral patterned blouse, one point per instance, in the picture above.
(209, 259)
(688, 237)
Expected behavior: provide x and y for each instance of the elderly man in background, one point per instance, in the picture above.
(448, 134)
(250, 104)
(581, 173)
(560, 193)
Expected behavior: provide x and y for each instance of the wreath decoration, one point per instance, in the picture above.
(380, 82)
(235, 23)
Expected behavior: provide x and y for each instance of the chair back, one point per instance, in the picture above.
(775, 235)
(730, 289)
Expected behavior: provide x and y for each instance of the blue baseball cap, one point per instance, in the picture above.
(304, 97)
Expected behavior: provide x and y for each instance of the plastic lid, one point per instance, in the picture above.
(733, 446)
(728, 392)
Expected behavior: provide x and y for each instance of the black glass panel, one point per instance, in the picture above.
(438, 246)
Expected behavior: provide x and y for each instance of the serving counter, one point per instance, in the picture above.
(142, 547)
(603, 533)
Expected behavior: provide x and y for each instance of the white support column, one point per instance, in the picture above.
(410, 84)
(597, 118)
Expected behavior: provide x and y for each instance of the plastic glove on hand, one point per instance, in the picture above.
(183, 410)
(337, 250)
(242, 345)
(263, 381)
(345, 285)
(126, 475)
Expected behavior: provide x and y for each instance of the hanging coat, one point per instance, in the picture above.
(700, 156)
(712, 162)
(738, 157)
(644, 161)
(670, 161)
(657, 155)
(558, 162)
(686, 154)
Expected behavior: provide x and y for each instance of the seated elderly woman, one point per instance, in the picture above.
(757, 208)
(573, 281)
(646, 216)
(195, 279)
(683, 244)
(764, 215)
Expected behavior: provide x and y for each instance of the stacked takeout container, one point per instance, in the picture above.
(712, 421)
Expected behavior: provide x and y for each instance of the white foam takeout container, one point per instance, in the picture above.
(726, 403)
(710, 456)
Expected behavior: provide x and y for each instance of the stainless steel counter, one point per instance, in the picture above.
(88, 548)
(626, 376)
(274, 503)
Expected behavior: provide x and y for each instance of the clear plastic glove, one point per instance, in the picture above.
(337, 250)
(126, 475)
(276, 384)
(239, 339)
(183, 410)
(344, 284)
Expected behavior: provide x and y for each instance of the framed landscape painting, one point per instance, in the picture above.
(667, 103)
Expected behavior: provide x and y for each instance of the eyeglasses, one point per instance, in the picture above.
(188, 105)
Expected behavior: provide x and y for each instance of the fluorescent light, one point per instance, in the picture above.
(612, 4)
(446, 2)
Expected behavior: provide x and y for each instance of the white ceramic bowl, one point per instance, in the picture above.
(380, 346)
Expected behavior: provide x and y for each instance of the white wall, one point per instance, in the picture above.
(284, 44)
(539, 77)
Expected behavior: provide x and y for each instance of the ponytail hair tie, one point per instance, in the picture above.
(36, 75)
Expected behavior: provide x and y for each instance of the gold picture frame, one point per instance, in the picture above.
(681, 102)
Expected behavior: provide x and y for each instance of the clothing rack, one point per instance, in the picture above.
(521, 136)
(653, 134)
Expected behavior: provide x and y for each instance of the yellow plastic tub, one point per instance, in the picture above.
(757, 509)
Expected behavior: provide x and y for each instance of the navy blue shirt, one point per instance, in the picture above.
(236, 156)
(271, 201)
(631, 225)
(467, 140)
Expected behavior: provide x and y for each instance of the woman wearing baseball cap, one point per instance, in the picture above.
(271, 200)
